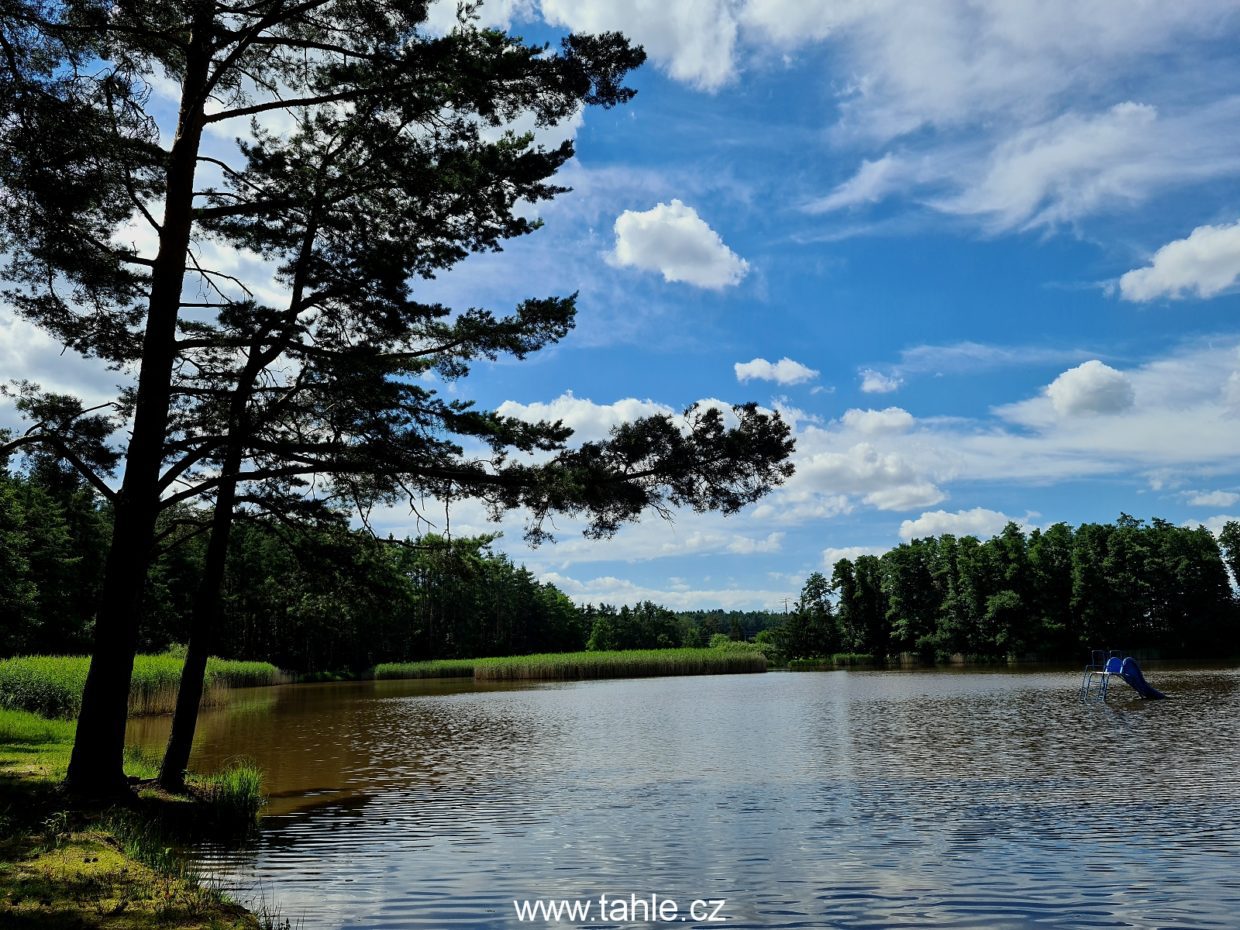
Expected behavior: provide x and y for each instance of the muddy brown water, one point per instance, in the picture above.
(839, 799)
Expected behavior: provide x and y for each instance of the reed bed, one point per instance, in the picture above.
(232, 797)
(435, 668)
(52, 685)
(634, 663)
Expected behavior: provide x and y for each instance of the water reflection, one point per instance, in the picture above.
(843, 799)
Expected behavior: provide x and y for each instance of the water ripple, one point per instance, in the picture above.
(848, 800)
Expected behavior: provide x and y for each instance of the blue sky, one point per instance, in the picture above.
(983, 256)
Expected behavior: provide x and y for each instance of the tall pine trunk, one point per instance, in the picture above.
(205, 616)
(204, 619)
(96, 766)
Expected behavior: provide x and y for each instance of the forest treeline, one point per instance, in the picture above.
(307, 598)
(1050, 593)
(326, 597)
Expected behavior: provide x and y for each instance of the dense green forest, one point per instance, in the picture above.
(320, 597)
(324, 597)
(1050, 593)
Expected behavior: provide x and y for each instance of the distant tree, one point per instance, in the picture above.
(809, 629)
(1229, 539)
(912, 597)
(1050, 558)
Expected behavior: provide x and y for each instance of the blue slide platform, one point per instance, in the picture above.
(1131, 673)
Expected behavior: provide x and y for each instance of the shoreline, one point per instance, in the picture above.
(81, 865)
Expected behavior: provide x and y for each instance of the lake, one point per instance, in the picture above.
(837, 799)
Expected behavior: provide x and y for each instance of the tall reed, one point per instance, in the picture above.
(52, 685)
(434, 668)
(633, 663)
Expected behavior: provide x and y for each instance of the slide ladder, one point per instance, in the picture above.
(1105, 665)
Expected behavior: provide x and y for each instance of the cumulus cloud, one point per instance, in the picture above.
(748, 545)
(609, 589)
(1211, 498)
(978, 522)
(587, 420)
(1214, 524)
(785, 371)
(672, 239)
(885, 480)
(693, 40)
(832, 554)
(1205, 263)
(870, 422)
(1090, 388)
(875, 382)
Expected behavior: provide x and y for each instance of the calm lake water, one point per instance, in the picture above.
(839, 799)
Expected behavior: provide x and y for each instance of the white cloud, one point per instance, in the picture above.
(748, 545)
(30, 354)
(1018, 114)
(1065, 168)
(873, 181)
(978, 522)
(1214, 524)
(944, 63)
(694, 40)
(785, 371)
(1090, 388)
(870, 422)
(1211, 498)
(608, 589)
(672, 239)
(441, 15)
(831, 555)
(588, 420)
(1206, 263)
(875, 382)
(971, 357)
(886, 480)
(905, 496)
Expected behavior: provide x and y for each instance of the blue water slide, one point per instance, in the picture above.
(1131, 673)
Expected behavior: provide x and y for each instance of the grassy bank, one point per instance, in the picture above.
(52, 685)
(63, 867)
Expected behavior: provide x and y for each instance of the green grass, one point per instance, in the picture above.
(633, 663)
(23, 728)
(52, 685)
(435, 668)
(87, 867)
(233, 795)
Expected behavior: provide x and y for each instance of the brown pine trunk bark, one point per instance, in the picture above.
(203, 621)
(96, 767)
(205, 615)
